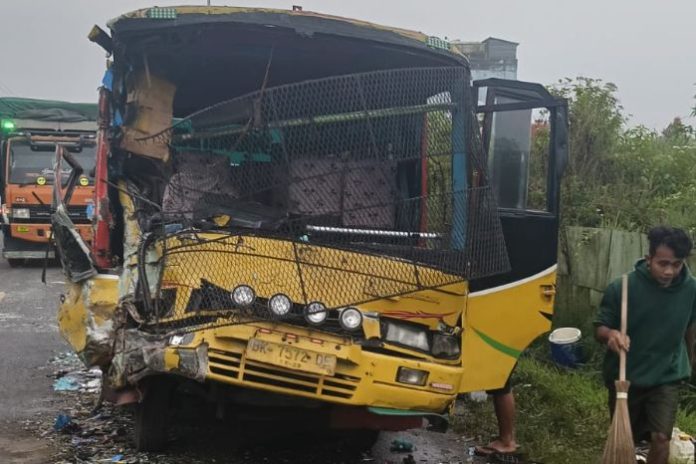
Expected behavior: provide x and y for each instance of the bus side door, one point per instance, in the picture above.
(524, 132)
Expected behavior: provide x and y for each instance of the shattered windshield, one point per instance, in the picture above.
(32, 164)
(340, 190)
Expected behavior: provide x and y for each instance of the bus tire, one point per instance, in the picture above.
(152, 415)
(15, 262)
(363, 439)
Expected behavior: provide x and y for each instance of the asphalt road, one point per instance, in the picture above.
(28, 339)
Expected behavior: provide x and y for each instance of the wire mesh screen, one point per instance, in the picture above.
(330, 193)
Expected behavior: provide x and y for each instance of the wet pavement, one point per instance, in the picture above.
(28, 339)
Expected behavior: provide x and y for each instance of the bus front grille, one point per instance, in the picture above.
(233, 366)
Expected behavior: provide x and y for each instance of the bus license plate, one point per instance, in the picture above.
(22, 229)
(291, 357)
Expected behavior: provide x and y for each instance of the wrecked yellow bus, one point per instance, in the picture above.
(30, 129)
(301, 210)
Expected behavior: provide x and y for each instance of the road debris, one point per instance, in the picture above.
(82, 435)
(401, 446)
(66, 384)
(71, 375)
(64, 424)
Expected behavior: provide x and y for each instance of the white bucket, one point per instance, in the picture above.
(565, 346)
(565, 335)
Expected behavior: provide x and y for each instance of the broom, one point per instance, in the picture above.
(619, 448)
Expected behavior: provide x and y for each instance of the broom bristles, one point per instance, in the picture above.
(619, 448)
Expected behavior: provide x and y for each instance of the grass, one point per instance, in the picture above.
(562, 415)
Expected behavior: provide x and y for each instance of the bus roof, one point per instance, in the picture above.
(306, 23)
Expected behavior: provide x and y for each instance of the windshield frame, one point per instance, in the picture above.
(85, 146)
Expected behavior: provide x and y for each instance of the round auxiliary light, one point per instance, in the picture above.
(243, 295)
(315, 313)
(279, 304)
(350, 319)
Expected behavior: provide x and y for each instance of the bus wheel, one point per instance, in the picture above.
(15, 262)
(152, 415)
(362, 439)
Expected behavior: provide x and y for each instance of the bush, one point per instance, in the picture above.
(629, 179)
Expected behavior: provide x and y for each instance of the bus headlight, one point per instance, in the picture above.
(315, 313)
(445, 346)
(280, 304)
(410, 335)
(243, 295)
(20, 213)
(350, 319)
(411, 376)
(185, 339)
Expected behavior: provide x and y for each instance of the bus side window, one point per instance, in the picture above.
(518, 158)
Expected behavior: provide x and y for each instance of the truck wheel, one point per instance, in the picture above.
(15, 262)
(152, 415)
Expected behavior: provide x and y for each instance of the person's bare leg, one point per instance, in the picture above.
(659, 449)
(504, 404)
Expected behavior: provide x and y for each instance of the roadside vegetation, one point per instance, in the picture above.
(621, 177)
(562, 415)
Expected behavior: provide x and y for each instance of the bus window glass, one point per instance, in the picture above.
(518, 158)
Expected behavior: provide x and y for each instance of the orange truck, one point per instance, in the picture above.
(30, 132)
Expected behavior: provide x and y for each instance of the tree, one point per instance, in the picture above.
(678, 133)
(622, 178)
(596, 121)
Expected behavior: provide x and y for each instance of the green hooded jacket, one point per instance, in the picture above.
(658, 318)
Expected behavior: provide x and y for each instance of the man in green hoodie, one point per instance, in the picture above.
(660, 337)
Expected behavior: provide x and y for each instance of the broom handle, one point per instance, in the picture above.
(624, 324)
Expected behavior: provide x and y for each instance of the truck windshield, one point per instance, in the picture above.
(28, 164)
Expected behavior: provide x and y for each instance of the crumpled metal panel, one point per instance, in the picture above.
(139, 355)
(74, 253)
(131, 245)
(87, 318)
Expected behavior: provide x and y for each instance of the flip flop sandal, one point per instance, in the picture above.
(484, 451)
(488, 451)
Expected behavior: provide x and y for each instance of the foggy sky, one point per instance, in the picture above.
(645, 47)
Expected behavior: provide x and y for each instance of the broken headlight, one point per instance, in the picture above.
(445, 346)
(315, 313)
(185, 339)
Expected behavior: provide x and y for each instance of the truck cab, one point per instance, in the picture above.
(31, 131)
